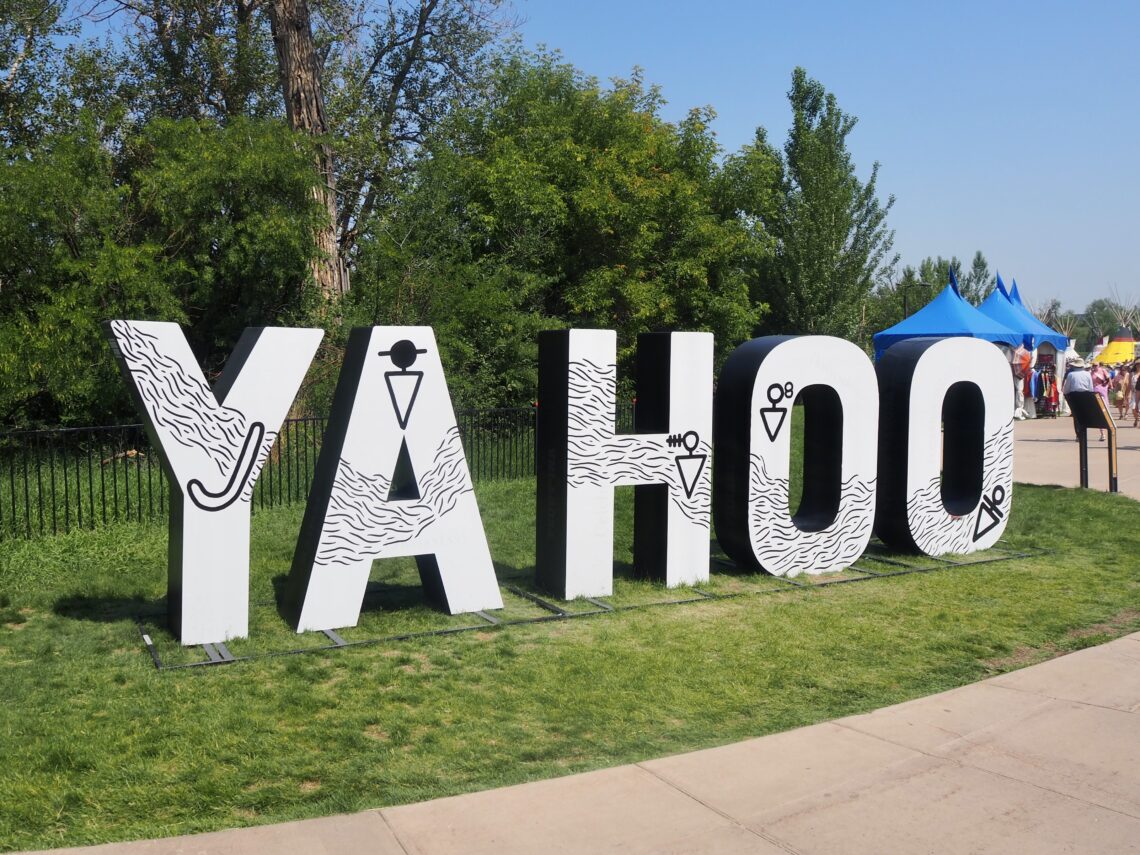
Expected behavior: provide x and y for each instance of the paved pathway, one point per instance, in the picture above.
(1045, 452)
(1042, 760)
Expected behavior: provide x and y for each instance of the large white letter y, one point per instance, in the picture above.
(214, 443)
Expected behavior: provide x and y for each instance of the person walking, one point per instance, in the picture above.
(1078, 379)
(1122, 390)
(1134, 402)
(1100, 382)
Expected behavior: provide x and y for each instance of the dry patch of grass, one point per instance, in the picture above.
(1122, 623)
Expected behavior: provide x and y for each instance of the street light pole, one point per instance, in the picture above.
(903, 285)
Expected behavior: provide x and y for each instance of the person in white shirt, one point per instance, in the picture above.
(1078, 379)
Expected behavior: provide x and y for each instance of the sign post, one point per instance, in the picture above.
(1089, 411)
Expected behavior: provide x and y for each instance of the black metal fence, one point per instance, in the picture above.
(53, 481)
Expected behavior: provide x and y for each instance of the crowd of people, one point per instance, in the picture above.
(1118, 385)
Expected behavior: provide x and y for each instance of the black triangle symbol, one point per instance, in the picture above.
(993, 517)
(773, 414)
(403, 393)
(689, 474)
(404, 483)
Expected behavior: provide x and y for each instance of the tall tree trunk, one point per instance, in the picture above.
(300, 76)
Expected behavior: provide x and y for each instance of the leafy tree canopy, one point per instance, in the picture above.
(488, 193)
(556, 201)
(829, 228)
(189, 222)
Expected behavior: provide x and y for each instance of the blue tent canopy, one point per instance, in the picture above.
(1042, 332)
(945, 316)
(998, 306)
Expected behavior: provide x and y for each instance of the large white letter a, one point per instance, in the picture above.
(392, 480)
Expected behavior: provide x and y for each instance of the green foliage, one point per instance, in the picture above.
(978, 281)
(208, 226)
(890, 302)
(389, 79)
(974, 284)
(831, 239)
(67, 263)
(191, 60)
(489, 195)
(1100, 318)
(28, 62)
(234, 211)
(557, 202)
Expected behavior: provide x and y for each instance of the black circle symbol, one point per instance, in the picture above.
(403, 354)
(998, 495)
(776, 394)
(690, 440)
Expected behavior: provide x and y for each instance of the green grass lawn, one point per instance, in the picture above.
(97, 745)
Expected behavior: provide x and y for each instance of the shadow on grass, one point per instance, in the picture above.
(625, 570)
(380, 595)
(109, 609)
(407, 587)
(508, 574)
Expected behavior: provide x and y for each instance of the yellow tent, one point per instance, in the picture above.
(1120, 348)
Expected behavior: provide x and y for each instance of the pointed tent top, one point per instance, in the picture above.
(1022, 319)
(998, 307)
(946, 315)
(1001, 287)
(954, 282)
(1121, 348)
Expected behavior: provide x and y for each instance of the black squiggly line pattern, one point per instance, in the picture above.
(361, 523)
(935, 531)
(182, 404)
(783, 549)
(258, 463)
(187, 408)
(596, 456)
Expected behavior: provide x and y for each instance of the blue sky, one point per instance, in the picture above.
(1009, 127)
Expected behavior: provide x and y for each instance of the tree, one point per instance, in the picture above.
(1100, 318)
(28, 29)
(194, 59)
(299, 73)
(891, 301)
(366, 84)
(831, 239)
(211, 227)
(1047, 311)
(917, 286)
(976, 285)
(389, 90)
(554, 201)
(935, 271)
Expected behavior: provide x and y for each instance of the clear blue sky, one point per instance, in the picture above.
(1009, 127)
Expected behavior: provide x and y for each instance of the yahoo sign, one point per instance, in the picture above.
(917, 449)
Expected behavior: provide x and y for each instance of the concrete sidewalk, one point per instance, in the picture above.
(1045, 452)
(1042, 760)
(1046, 759)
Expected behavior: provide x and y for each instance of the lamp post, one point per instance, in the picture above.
(903, 286)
